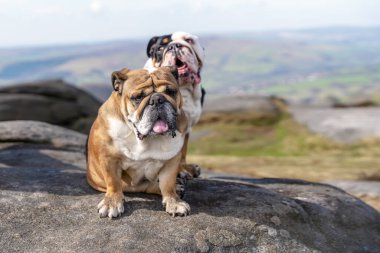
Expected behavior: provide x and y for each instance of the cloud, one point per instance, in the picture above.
(97, 6)
(45, 10)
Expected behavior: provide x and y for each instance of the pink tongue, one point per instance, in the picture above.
(160, 127)
(182, 70)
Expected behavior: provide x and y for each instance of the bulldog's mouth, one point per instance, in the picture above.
(160, 127)
(186, 74)
(181, 66)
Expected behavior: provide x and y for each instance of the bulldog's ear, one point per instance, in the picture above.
(118, 79)
(151, 43)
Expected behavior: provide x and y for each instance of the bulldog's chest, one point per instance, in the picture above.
(142, 170)
(192, 104)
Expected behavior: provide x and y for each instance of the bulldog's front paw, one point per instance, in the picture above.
(175, 206)
(111, 206)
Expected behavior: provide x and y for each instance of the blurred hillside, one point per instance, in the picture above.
(317, 66)
(264, 140)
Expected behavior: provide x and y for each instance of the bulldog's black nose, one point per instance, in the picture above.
(174, 46)
(156, 99)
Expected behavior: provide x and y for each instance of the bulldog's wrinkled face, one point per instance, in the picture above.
(181, 55)
(150, 101)
(182, 50)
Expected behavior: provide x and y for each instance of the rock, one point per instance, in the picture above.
(24, 131)
(52, 101)
(360, 103)
(346, 125)
(46, 205)
(242, 103)
(358, 187)
(368, 191)
(257, 110)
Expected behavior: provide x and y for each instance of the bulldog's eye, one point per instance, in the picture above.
(190, 41)
(138, 98)
(171, 92)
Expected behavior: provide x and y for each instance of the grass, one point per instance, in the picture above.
(279, 147)
(257, 137)
(376, 100)
(351, 83)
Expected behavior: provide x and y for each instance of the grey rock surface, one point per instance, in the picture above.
(371, 188)
(47, 206)
(340, 124)
(52, 101)
(28, 131)
(248, 103)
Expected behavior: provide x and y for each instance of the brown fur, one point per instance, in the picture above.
(106, 167)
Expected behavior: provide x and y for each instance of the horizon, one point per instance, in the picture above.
(311, 64)
(203, 34)
(71, 22)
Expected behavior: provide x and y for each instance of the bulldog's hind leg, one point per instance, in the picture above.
(167, 183)
(181, 182)
(188, 170)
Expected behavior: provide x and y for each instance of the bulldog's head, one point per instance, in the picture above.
(179, 49)
(150, 102)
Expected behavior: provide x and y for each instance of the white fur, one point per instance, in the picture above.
(182, 36)
(146, 169)
(159, 147)
(150, 69)
(192, 107)
(149, 64)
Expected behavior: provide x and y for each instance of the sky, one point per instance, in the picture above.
(51, 22)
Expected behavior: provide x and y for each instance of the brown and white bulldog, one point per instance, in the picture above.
(184, 51)
(135, 142)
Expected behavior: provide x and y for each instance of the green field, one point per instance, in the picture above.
(281, 149)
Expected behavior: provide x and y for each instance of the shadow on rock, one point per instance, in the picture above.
(37, 167)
